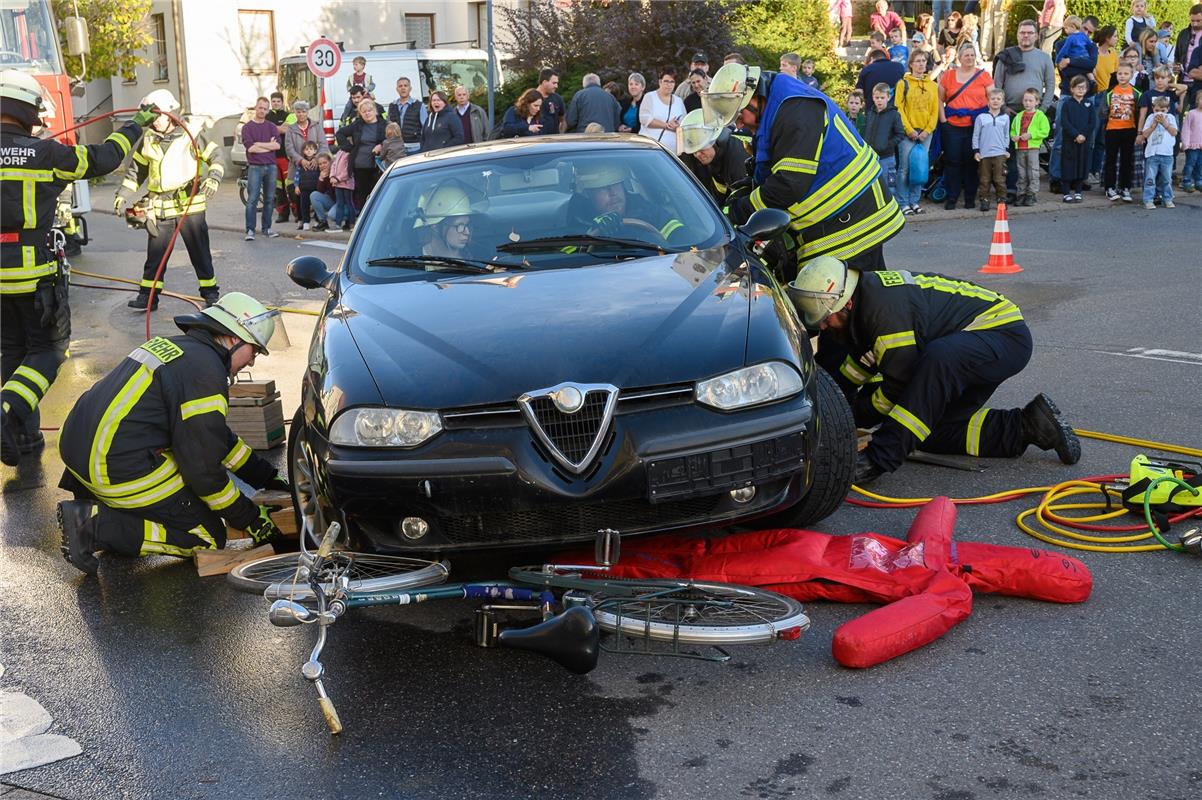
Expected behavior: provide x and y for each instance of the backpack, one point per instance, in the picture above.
(341, 176)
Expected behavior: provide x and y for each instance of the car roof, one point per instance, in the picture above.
(565, 143)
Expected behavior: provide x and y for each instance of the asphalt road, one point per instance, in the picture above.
(178, 688)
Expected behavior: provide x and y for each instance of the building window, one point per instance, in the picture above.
(419, 28)
(256, 40)
(158, 25)
(481, 17)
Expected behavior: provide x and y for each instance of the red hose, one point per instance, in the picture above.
(158, 274)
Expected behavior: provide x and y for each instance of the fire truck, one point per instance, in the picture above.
(29, 42)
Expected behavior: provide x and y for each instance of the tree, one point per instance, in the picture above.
(770, 28)
(118, 31)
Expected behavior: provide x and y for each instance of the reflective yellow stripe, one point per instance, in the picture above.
(81, 165)
(837, 192)
(796, 165)
(238, 455)
(854, 236)
(118, 497)
(671, 227)
(1002, 313)
(204, 405)
(154, 542)
(22, 391)
(963, 288)
(910, 422)
(223, 499)
(880, 402)
(205, 283)
(972, 437)
(854, 371)
(25, 174)
(122, 142)
(30, 374)
(884, 344)
(32, 271)
(145, 284)
(29, 205)
(117, 409)
(756, 201)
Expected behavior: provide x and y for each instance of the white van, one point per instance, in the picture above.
(427, 71)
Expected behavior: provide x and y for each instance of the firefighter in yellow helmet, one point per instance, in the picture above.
(446, 220)
(167, 163)
(605, 204)
(147, 451)
(924, 354)
(35, 317)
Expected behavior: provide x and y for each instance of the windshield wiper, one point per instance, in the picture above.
(584, 239)
(468, 264)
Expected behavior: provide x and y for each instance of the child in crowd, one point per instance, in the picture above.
(306, 182)
(898, 51)
(594, 127)
(1118, 109)
(1076, 119)
(1162, 86)
(393, 147)
(855, 110)
(917, 100)
(1191, 143)
(807, 75)
(1076, 41)
(876, 41)
(359, 76)
(883, 130)
(991, 148)
(321, 199)
(1139, 20)
(342, 178)
(968, 30)
(1027, 131)
(886, 20)
(1164, 47)
(1160, 131)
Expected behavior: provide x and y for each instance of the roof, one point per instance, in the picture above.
(563, 143)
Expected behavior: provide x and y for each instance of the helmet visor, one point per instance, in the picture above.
(255, 330)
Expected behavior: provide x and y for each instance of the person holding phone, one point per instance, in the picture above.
(661, 111)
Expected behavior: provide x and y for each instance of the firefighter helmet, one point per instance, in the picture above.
(729, 92)
(21, 97)
(235, 314)
(447, 200)
(162, 99)
(698, 132)
(598, 175)
(822, 287)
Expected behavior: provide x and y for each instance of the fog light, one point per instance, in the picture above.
(414, 527)
(743, 495)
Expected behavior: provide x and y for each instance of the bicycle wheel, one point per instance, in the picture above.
(367, 572)
(701, 613)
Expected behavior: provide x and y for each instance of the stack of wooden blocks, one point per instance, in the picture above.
(257, 414)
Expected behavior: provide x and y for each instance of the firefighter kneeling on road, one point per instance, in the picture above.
(147, 450)
(35, 317)
(925, 352)
(166, 162)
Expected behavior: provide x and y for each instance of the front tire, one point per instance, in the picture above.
(834, 458)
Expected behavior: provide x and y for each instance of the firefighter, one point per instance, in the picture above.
(924, 354)
(147, 450)
(713, 154)
(604, 205)
(166, 162)
(811, 162)
(35, 321)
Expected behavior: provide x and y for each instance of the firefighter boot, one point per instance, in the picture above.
(210, 295)
(30, 440)
(866, 470)
(10, 451)
(142, 300)
(1042, 427)
(79, 535)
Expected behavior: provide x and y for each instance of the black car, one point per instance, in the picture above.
(528, 341)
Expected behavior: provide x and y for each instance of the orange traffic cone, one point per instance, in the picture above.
(1001, 255)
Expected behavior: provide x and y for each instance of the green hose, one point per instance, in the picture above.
(1148, 508)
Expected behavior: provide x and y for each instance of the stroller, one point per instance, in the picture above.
(934, 189)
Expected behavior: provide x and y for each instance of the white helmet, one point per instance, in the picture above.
(161, 99)
(823, 286)
(698, 132)
(21, 96)
(235, 314)
(729, 92)
(447, 200)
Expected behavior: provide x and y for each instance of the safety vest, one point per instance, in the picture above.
(845, 167)
(167, 164)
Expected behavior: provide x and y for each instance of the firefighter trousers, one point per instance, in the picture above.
(176, 526)
(30, 352)
(942, 409)
(195, 233)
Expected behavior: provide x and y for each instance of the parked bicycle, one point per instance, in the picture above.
(679, 618)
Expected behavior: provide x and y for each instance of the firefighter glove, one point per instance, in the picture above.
(119, 204)
(278, 484)
(608, 224)
(147, 113)
(263, 530)
(209, 187)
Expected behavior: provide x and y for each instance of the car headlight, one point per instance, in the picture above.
(384, 427)
(750, 386)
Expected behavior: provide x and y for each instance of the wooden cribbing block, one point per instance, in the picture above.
(252, 389)
(219, 562)
(260, 426)
(284, 519)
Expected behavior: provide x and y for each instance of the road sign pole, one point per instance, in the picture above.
(492, 79)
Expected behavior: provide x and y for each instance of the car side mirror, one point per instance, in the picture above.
(765, 224)
(310, 272)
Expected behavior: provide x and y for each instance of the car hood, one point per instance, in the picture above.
(476, 339)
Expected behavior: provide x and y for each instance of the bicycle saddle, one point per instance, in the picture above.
(571, 639)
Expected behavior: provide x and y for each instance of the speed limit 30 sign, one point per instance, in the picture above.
(323, 57)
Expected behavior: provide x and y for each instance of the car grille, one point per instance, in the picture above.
(562, 523)
(572, 434)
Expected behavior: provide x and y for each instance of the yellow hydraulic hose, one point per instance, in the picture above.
(191, 298)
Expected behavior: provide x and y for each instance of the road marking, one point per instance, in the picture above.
(328, 245)
(1155, 354)
(24, 742)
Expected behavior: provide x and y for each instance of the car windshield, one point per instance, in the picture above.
(533, 210)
